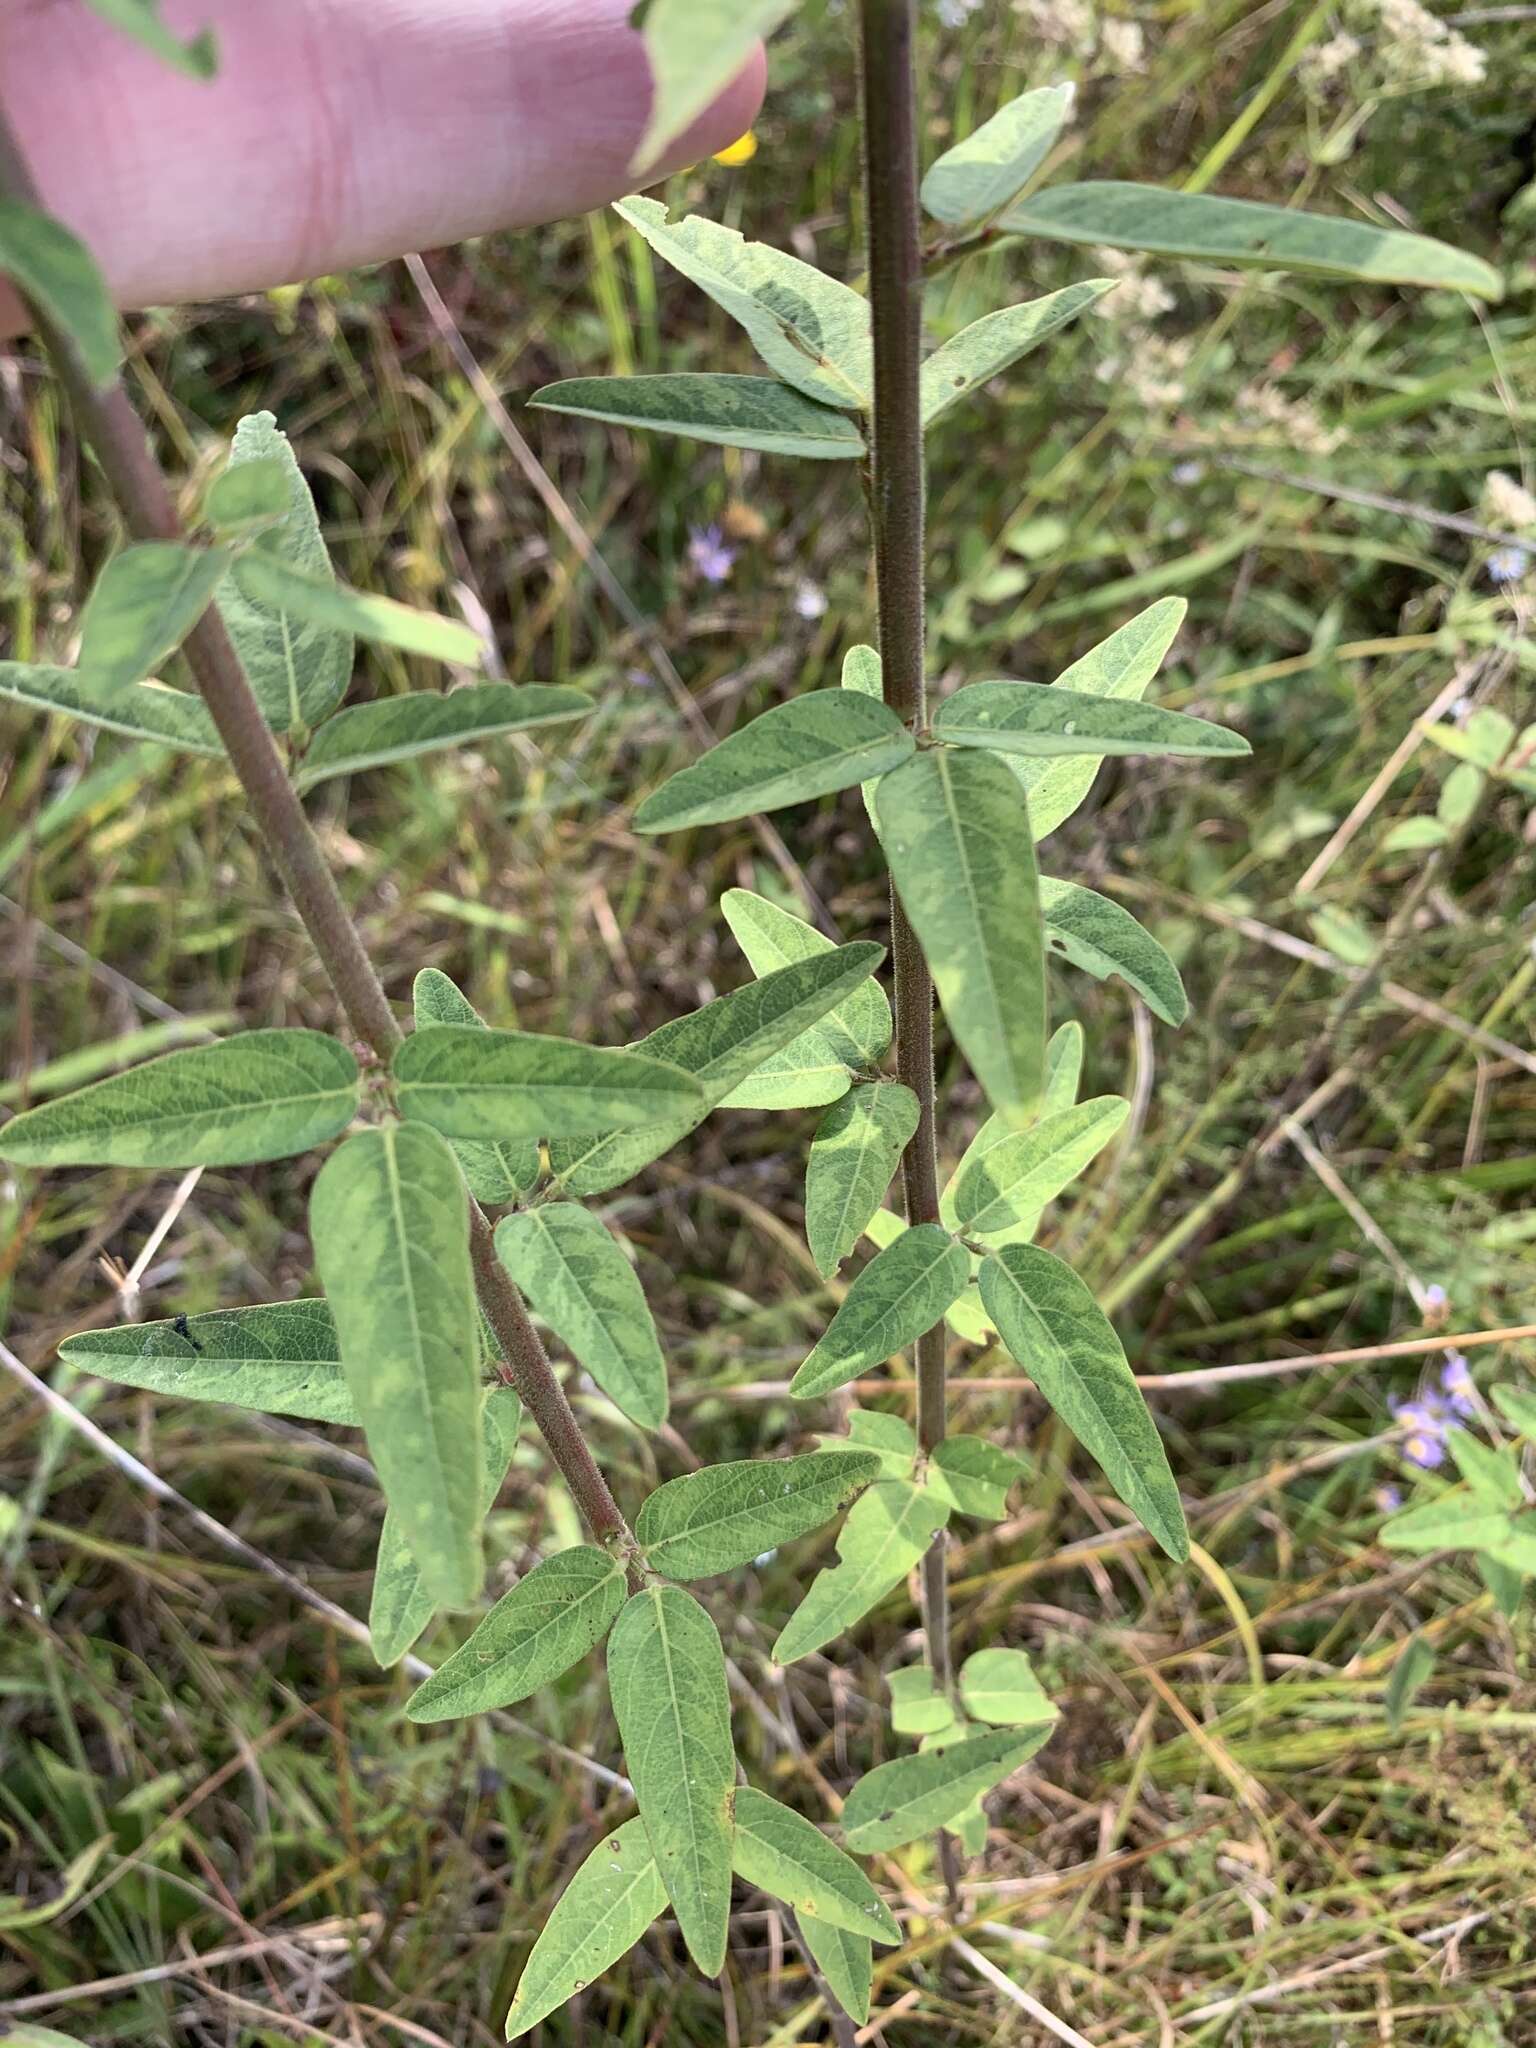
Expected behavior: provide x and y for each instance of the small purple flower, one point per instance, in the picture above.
(1389, 1499)
(1457, 1385)
(1426, 1420)
(810, 599)
(1434, 1296)
(709, 554)
(1508, 565)
(1424, 1449)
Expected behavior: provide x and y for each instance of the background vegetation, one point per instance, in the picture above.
(1290, 1799)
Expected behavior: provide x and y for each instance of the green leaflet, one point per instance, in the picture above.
(974, 1475)
(720, 1046)
(1518, 1409)
(856, 1150)
(247, 497)
(982, 173)
(1203, 227)
(1044, 719)
(666, 1676)
(862, 672)
(267, 579)
(891, 1438)
(957, 834)
(54, 269)
(298, 668)
(1017, 1176)
(426, 721)
(1505, 1584)
(809, 329)
(989, 345)
(856, 1030)
(173, 717)
(1067, 1345)
(1000, 1686)
(1101, 937)
(401, 1606)
(195, 56)
(21, 2033)
(1063, 1070)
(146, 601)
(470, 1082)
(1120, 667)
(733, 412)
(1493, 1475)
(913, 1795)
(280, 1359)
(600, 1915)
(544, 1625)
(808, 746)
(1461, 1521)
(917, 1705)
(696, 47)
(888, 1528)
(579, 1281)
(498, 1170)
(724, 1516)
(787, 1856)
(845, 1960)
(1409, 1673)
(900, 1294)
(260, 1095)
(390, 1222)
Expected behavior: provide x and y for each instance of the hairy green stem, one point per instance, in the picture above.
(888, 30)
(113, 431)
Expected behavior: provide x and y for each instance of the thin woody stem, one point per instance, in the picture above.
(111, 428)
(888, 31)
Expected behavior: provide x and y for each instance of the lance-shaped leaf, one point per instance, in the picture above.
(856, 1150)
(724, 1516)
(248, 497)
(146, 601)
(787, 1856)
(666, 1676)
(140, 712)
(1505, 1583)
(988, 346)
(1000, 1686)
(299, 667)
(468, 1082)
(810, 746)
(390, 1221)
(1027, 1169)
(1120, 667)
(974, 1475)
(982, 173)
(864, 674)
(913, 1795)
(575, 1274)
(733, 412)
(1492, 1474)
(1043, 719)
(55, 270)
(845, 1960)
(956, 833)
(195, 56)
(1103, 938)
(888, 1528)
(261, 1095)
(547, 1623)
(1205, 228)
(1063, 1071)
(899, 1295)
(1461, 1521)
(266, 579)
(498, 1170)
(695, 49)
(719, 1045)
(1067, 1345)
(600, 1915)
(401, 1606)
(1518, 1409)
(279, 1359)
(426, 721)
(856, 1030)
(918, 1707)
(809, 329)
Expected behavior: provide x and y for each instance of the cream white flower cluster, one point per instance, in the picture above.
(1390, 46)
(1105, 43)
(1508, 504)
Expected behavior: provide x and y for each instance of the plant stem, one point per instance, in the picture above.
(888, 30)
(111, 428)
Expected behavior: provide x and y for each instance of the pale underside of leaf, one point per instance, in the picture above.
(856, 1150)
(888, 1529)
(695, 48)
(426, 721)
(731, 411)
(858, 1029)
(994, 162)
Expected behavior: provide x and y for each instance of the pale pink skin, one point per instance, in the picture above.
(337, 133)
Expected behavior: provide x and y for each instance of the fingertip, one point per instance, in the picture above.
(727, 117)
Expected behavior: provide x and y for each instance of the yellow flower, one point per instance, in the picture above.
(741, 151)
